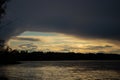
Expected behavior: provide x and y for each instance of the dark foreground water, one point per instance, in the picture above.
(62, 70)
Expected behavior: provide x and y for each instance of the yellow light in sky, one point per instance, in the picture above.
(41, 41)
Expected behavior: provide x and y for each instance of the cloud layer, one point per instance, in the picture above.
(26, 39)
(60, 43)
(82, 18)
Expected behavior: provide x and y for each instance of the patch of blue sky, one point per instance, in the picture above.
(30, 33)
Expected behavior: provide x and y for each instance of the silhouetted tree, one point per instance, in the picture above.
(2, 7)
(2, 12)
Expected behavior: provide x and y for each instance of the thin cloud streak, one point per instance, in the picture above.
(25, 39)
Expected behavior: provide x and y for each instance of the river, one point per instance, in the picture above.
(62, 70)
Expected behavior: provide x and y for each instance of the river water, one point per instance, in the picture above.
(62, 70)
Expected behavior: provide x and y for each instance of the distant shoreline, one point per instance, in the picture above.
(13, 57)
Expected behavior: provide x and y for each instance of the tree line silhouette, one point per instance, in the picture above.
(15, 55)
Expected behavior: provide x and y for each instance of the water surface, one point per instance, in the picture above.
(63, 70)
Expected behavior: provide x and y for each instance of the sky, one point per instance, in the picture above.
(58, 42)
(66, 25)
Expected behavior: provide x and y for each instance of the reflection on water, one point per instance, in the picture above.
(63, 70)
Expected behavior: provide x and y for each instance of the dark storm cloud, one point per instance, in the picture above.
(86, 18)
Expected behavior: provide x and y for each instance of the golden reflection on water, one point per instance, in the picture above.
(50, 71)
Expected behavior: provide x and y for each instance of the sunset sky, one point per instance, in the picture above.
(58, 42)
(63, 25)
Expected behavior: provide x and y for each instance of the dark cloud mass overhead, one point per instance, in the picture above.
(84, 18)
